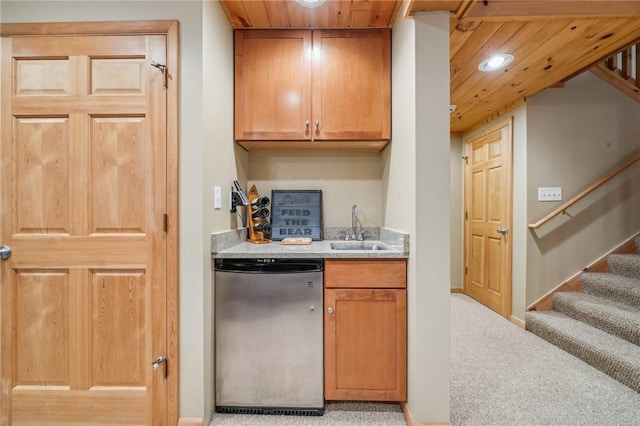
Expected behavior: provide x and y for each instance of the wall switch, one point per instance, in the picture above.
(217, 197)
(550, 194)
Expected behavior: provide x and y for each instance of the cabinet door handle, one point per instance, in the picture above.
(317, 123)
(307, 123)
(330, 310)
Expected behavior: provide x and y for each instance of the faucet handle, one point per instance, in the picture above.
(361, 235)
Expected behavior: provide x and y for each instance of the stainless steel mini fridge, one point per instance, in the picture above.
(268, 336)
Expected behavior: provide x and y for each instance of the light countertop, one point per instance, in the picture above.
(317, 249)
(234, 244)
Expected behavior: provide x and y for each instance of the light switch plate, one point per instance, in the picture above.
(217, 197)
(550, 194)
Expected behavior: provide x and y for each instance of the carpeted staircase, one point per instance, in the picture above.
(601, 323)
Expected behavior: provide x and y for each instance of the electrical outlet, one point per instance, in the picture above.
(550, 194)
(217, 197)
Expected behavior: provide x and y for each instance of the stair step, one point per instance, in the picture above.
(627, 265)
(615, 318)
(610, 354)
(610, 286)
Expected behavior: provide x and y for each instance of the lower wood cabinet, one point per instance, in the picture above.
(366, 330)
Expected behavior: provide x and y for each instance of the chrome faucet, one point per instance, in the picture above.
(354, 234)
(354, 220)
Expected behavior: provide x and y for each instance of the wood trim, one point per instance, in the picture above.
(352, 146)
(88, 28)
(457, 290)
(613, 173)
(545, 303)
(408, 416)
(173, 232)
(190, 421)
(169, 28)
(517, 321)
(614, 79)
(464, 8)
(530, 10)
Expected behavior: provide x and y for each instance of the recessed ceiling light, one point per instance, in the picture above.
(310, 3)
(496, 62)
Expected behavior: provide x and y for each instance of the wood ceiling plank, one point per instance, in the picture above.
(457, 37)
(299, 16)
(557, 9)
(480, 37)
(464, 8)
(611, 39)
(257, 14)
(383, 13)
(236, 13)
(496, 44)
(433, 6)
(359, 19)
(339, 14)
(278, 14)
(502, 88)
(559, 63)
(531, 37)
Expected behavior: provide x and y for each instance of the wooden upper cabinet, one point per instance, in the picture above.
(272, 85)
(352, 84)
(302, 85)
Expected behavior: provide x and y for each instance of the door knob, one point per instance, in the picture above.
(502, 231)
(160, 360)
(5, 252)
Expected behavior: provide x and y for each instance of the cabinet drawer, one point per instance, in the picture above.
(365, 273)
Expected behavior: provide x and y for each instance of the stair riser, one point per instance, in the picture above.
(616, 289)
(625, 265)
(625, 374)
(625, 330)
(616, 295)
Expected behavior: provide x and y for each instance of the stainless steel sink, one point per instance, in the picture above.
(359, 245)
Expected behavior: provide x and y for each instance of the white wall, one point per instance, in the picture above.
(194, 260)
(345, 178)
(221, 163)
(417, 199)
(576, 135)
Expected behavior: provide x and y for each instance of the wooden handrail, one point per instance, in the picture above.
(586, 192)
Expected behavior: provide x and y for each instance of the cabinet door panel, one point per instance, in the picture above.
(365, 344)
(272, 85)
(352, 84)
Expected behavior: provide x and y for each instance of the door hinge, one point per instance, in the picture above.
(165, 222)
(466, 215)
(465, 270)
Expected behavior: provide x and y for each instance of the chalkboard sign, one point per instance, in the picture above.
(296, 214)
